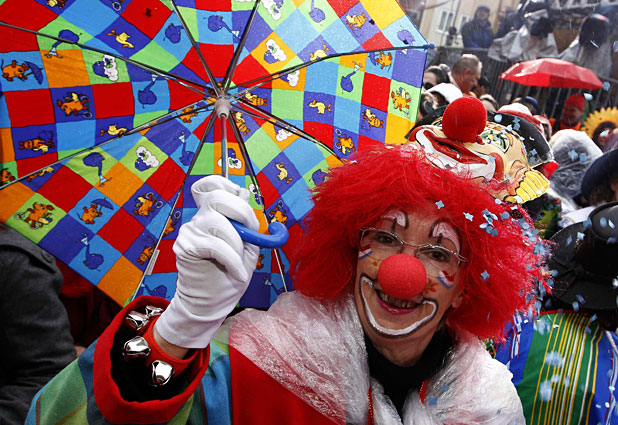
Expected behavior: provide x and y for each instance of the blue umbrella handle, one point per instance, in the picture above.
(278, 235)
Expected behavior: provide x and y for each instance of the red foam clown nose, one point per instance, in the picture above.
(402, 276)
(464, 119)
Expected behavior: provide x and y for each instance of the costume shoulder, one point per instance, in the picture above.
(472, 388)
(563, 365)
(101, 388)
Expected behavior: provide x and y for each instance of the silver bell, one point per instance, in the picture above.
(152, 311)
(135, 348)
(161, 372)
(135, 320)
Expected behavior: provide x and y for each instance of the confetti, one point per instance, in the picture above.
(545, 391)
(504, 215)
(516, 125)
(432, 401)
(580, 299)
(573, 155)
(587, 96)
(440, 204)
(583, 157)
(580, 236)
(468, 216)
(603, 221)
(587, 223)
(485, 275)
(575, 306)
(611, 224)
(611, 240)
(498, 117)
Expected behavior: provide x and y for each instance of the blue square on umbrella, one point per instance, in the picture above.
(304, 155)
(152, 96)
(34, 141)
(144, 205)
(73, 103)
(215, 27)
(95, 259)
(173, 38)
(403, 33)
(159, 221)
(281, 173)
(359, 23)
(94, 210)
(321, 77)
(279, 211)
(123, 38)
(118, 150)
(296, 23)
(347, 114)
(73, 135)
(64, 240)
(258, 32)
(408, 66)
(160, 285)
(165, 135)
(338, 36)
(34, 76)
(90, 16)
(297, 199)
(317, 49)
(140, 252)
(318, 107)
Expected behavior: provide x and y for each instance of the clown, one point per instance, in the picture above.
(402, 268)
(500, 147)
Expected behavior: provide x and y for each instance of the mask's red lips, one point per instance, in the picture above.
(453, 149)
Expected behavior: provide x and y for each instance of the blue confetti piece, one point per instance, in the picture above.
(573, 155)
(440, 204)
(569, 240)
(533, 152)
(446, 387)
(485, 275)
(497, 201)
(612, 240)
(606, 84)
(587, 223)
(583, 157)
(545, 391)
(580, 236)
(611, 224)
(468, 216)
(554, 358)
(498, 118)
(580, 299)
(504, 215)
(603, 222)
(588, 96)
(432, 401)
(516, 125)
(575, 306)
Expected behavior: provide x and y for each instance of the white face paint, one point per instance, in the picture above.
(397, 216)
(444, 230)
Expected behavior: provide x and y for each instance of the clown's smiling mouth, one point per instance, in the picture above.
(455, 150)
(396, 306)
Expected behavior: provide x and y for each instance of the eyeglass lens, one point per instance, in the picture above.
(380, 244)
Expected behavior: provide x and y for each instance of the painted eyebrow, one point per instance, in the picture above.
(440, 236)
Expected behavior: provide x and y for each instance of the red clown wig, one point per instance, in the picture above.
(502, 265)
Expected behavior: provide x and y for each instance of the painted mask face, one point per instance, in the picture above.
(401, 329)
(501, 156)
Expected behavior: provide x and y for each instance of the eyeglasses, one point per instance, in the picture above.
(380, 244)
(427, 85)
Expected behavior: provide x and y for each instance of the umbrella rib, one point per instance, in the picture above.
(180, 80)
(278, 122)
(209, 73)
(257, 82)
(241, 45)
(245, 154)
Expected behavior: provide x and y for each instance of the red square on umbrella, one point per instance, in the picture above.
(12, 40)
(322, 132)
(167, 179)
(113, 100)
(31, 107)
(146, 15)
(216, 5)
(26, 14)
(269, 193)
(180, 96)
(376, 91)
(65, 188)
(166, 261)
(342, 6)
(29, 165)
(376, 42)
(365, 143)
(121, 230)
(249, 69)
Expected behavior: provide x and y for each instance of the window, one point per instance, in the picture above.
(462, 20)
(446, 20)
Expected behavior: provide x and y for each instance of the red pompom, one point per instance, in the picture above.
(402, 276)
(464, 119)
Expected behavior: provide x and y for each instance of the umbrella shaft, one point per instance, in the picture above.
(224, 154)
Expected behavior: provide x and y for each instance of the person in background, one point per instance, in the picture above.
(35, 336)
(466, 72)
(482, 87)
(600, 183)
(444, 93)
(564, 361)
(602, 127)
(530, 103)
(478, 33)
(574, 152)
(426, 105)
(591, 49)
(489, 102)
(572, 114)
(434, 75)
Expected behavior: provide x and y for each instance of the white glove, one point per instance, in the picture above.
(214, 264)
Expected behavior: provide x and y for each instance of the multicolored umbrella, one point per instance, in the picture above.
(110, 110)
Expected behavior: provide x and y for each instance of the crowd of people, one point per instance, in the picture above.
(467, 276)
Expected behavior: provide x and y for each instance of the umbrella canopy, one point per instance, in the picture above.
(134, 100)
(551, 72)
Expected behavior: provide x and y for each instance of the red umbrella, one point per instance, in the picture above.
(550, 72)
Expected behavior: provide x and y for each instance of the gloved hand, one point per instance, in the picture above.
(214, 264)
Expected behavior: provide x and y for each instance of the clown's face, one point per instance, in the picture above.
(401, 329)
(501, 157)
